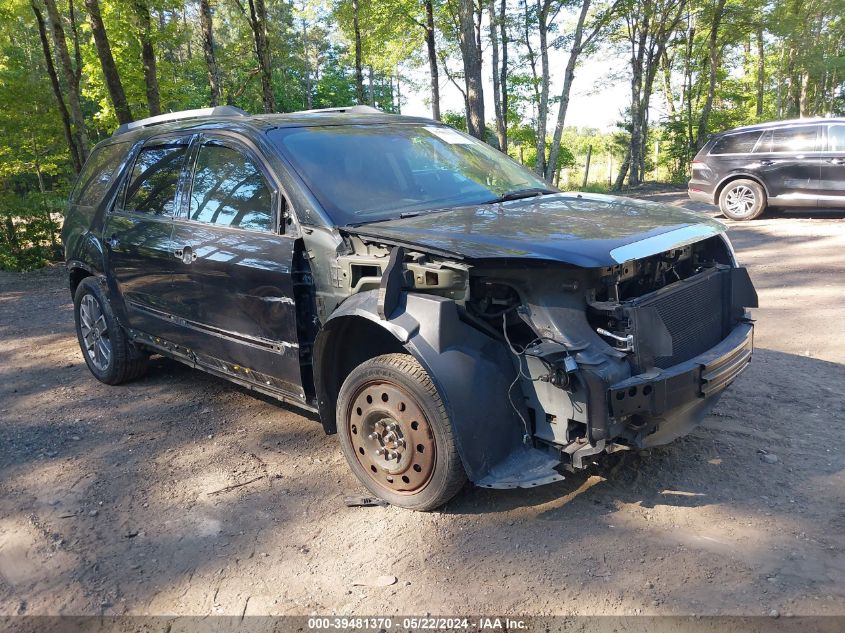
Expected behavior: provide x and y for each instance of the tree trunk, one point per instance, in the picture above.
(110, 73)
(398, 92)
(501, 128)
(666, 66)
(636, 123)
(471, 53)
(794, 91)
(258, 22)
(543, 105)
(714, 55)
(638, 50)
(359, 74)
(370, 92)
(761, 72)
(503, 73)
(623, 171)
(148, 57)
(57, 90)
(71, 77)
(74, 33)
(307, 65)
(804, 110)
(568, 77)
(208, 50)
(432, 60)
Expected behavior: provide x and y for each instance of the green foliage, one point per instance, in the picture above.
(29, 230)
(312, 44)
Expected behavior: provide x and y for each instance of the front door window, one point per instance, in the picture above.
(229, 190)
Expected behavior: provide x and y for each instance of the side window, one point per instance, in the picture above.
(97, 174)
(229, 190)
(836, 138)
(765, 144)
(154, 180)
(796, 139)
(741, 143)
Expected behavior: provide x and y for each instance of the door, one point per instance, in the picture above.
(832, 182)
(233, 280)
(790, 164)
(138, 234)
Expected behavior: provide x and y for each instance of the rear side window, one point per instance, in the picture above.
(155, 178)
(742, 143)
(97, 174)
(230, 190)
(796, 139)
(836, 138)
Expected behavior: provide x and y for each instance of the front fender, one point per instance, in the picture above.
(473, 373)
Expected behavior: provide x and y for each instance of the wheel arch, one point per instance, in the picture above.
(345, 342)
(738, 176)
(473, 373)
(75, 276)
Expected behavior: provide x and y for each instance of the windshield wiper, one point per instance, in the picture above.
(518, 194)
(401, 216)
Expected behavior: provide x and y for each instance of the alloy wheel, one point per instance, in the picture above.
(95, 332)
(741, 200)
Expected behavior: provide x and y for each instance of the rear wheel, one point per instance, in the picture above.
(742, 200)
(396, 435)
(109, 354)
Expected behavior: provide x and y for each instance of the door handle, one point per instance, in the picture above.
(113, 242)
(186, 254)
(837, 161)
(767, 162)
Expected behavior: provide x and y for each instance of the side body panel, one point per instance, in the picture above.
(140, 247)
(233, 287)
(832, 177)
(474, 375)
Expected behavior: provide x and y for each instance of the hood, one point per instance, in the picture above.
(588, 230)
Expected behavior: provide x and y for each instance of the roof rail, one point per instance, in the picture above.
(221, 111)
(356, 109)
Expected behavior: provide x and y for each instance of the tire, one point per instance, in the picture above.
(742, 200)
(109, 354)
(396, 435)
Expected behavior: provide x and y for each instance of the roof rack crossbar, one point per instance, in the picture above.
(221, 111)
(355, 109)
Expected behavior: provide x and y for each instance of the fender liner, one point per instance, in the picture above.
(473, 373)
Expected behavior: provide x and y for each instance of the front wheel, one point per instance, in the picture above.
(109, 354)
(742, 200)
(396, 435)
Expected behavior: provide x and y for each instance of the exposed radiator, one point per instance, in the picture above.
(680, 321)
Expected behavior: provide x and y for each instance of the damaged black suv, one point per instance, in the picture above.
(442, 309)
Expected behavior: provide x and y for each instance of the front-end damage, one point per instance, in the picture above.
(543, 364)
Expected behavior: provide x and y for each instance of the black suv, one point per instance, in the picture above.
(797, 163)
(438, 306)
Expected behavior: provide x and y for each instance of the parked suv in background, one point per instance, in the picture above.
(439, 306)
(798, 163)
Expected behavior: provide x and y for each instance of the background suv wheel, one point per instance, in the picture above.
(742, 200)
(107, 351)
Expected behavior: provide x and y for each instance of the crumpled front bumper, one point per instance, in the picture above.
(670, 402)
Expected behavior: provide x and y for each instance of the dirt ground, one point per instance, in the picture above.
(126, 500)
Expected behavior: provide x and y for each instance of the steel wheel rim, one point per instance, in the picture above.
(95, 332)
(391, 437)
(741, 200)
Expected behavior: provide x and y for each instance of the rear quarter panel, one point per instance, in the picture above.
(92, 195)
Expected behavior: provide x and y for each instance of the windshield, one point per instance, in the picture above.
(368, 173)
